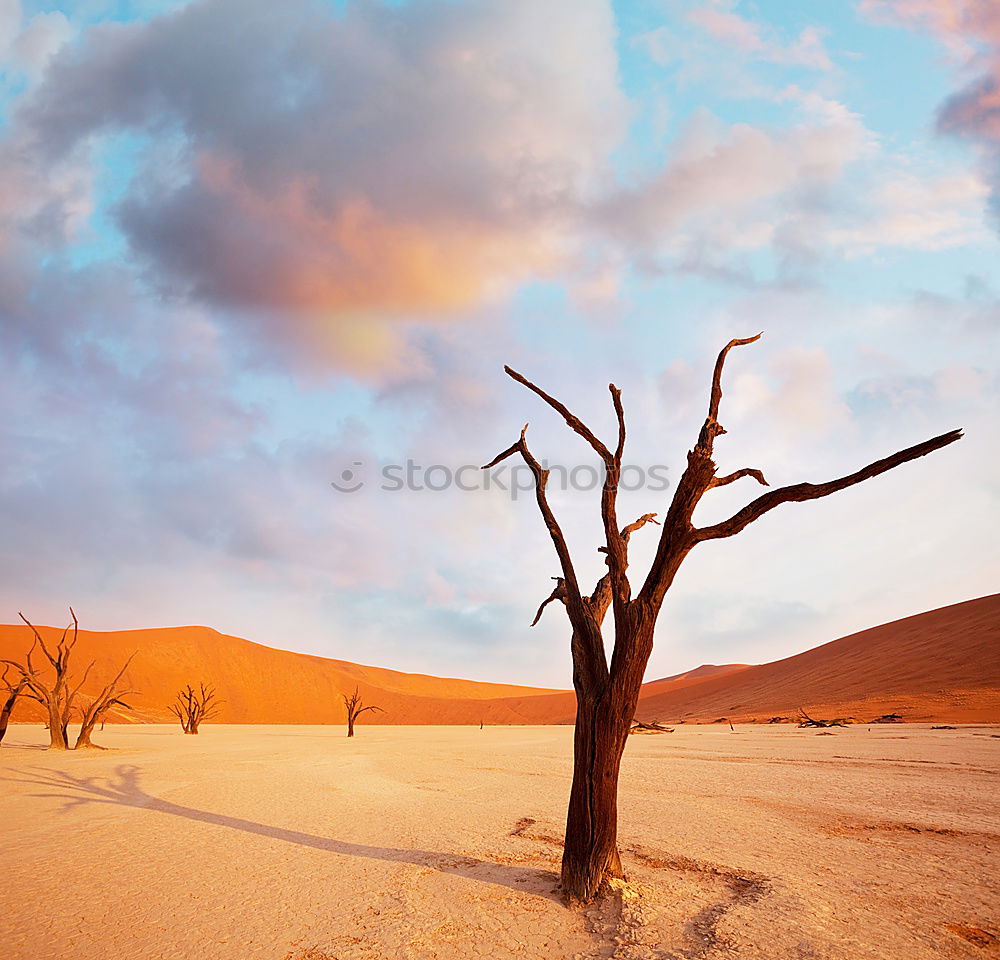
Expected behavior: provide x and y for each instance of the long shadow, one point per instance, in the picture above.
(125, 790)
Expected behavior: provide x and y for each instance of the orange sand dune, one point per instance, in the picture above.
(263, 685)
(943, 665)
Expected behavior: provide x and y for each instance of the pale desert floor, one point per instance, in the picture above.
(421, 842)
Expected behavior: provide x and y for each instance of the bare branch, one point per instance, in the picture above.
(573, 421)
(574, 600)
(616, 399)
(712, 427)
(558, 593)
(813, 491)
(738, 475)
(637, 524)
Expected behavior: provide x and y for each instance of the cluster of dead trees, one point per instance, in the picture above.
(44, 676)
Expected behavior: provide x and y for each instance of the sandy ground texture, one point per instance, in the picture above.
(295, 843)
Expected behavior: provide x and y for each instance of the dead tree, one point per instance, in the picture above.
(652, 727)
(808, 721)
(10, 690)
(95, 711)
(55, 695)
(355, 709)
(193, 707)
(607, 694)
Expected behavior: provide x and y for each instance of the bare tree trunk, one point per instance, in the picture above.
(83, 740)
(590, 854)
(350, 726)
(6, 711)
(14, 689)
(57, 729)
(604, 714)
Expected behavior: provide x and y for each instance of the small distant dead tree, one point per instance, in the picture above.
(355, 709)
(808, 721)
(652, 727)
(10, 690)
(95, 711)
(193, 707)
(607, 694)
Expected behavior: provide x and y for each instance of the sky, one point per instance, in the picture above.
(251, 253)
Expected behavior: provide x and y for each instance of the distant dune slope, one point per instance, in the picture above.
(942, 665)
(263, 685)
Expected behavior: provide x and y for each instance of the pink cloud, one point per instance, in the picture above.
(971, 31)
(758, 40)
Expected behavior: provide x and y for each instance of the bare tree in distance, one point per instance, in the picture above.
(10, 690)
(192, 707)
(94, 713)
(55, 695)
(355, 709)
(58, 694)
(606, 694)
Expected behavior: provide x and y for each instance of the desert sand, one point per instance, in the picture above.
(295, 843)
(940, 666)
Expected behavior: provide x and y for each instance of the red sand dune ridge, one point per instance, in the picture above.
(943, 665)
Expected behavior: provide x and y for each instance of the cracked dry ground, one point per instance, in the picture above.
(295, 843)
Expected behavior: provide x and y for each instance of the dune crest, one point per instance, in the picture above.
(941, 665)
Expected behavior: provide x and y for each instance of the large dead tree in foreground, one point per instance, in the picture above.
(607, 694)
(355, 709)
(192, 707)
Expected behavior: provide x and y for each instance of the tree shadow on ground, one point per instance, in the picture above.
(125, 789)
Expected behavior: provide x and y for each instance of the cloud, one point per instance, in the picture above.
(732, 188)
(27, 44)
(918, 213)
(970, 29)
(330, 174)
(758, 40)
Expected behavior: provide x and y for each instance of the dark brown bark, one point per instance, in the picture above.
(14, 689)
(607, 695)
(55, 695)
(355, 709)
(95, 712)
(193, 707)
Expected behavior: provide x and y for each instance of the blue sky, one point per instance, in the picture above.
(245, 247)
